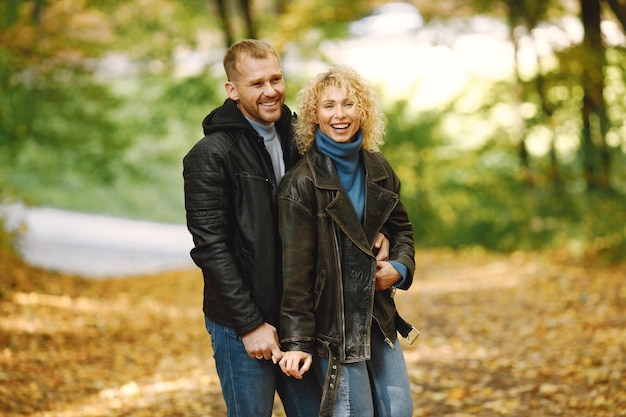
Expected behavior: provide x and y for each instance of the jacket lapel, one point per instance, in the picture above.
(379, 201)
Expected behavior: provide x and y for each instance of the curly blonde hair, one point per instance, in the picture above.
(372, 118)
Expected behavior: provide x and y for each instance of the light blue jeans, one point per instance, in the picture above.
(248, 385)
(378, 387)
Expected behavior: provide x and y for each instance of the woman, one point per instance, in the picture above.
(338, 300)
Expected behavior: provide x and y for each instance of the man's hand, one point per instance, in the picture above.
(381, 247)
(386, 275)
(262, 343)
(296, 363)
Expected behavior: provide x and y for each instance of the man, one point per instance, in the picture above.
(231, 181)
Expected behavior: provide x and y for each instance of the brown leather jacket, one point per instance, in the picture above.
(329, 303)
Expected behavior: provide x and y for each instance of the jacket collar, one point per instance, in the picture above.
(379, 201)
(325, 175)
(229, 117)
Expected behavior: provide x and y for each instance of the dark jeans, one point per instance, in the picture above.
(248, 385)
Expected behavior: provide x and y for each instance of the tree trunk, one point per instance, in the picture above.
(595, 154)
(619, 9)
(547, 109)
(229, 39)
(249, 21)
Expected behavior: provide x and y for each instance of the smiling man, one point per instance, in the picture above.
(256, 83)
(231, 181)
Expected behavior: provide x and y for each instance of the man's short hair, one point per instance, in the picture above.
(253, 48)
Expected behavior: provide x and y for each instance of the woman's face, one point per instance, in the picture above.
(337, 115)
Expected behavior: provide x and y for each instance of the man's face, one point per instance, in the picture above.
(259, 89)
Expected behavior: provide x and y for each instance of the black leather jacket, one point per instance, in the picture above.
(328, 263)
(230, 199)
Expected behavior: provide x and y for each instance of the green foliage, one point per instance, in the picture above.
(74, 136)
(410, 146)
(309, 23)
(153, 29)
(158, 119)
(464, 197)
(57, 124)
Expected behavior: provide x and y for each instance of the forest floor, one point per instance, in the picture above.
(502, 335)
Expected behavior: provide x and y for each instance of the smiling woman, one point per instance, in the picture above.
(331, 206)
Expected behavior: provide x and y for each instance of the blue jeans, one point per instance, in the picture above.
(378, 387)
(248, 385)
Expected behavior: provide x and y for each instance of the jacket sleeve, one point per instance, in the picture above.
(297, 227)
(207, 203)
(399, 230)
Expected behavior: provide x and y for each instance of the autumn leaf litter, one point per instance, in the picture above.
(502, 335)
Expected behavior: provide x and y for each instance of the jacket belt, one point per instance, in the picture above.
(406, 330)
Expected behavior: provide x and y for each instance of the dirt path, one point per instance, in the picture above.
(516, 335)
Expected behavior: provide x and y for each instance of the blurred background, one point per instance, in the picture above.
(506, 118)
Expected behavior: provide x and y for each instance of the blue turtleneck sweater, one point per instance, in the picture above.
(347, 159)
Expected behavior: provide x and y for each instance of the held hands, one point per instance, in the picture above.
(295, 363)
(262, 343)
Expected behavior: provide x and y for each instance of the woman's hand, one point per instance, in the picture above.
(386, 275)
(381, 247)
(295, 363)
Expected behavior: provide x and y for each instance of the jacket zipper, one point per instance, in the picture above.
(267, 163)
